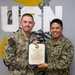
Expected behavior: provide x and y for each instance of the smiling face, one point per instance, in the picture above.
(56, 30)
(27, 23)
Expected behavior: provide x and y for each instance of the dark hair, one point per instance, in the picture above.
(27, 14)
(57, 21)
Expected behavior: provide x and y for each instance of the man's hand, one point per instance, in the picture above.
(43, 65)
(35, 42)
(31, 67)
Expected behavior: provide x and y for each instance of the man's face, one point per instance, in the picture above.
(27, 23)
(56, 30)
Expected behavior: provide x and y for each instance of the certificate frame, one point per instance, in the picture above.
(36, 54)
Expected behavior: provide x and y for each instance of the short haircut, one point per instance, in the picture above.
(27, 14)
(57, 21)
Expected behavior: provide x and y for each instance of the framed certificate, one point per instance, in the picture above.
(36, 54)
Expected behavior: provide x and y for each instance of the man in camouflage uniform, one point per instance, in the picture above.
(16, 48)
(60, 51)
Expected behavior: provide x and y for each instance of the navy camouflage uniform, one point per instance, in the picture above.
(16, 56)
(59, 56)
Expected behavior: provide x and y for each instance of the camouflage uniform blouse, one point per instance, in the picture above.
(16, 57)
(59, 56)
